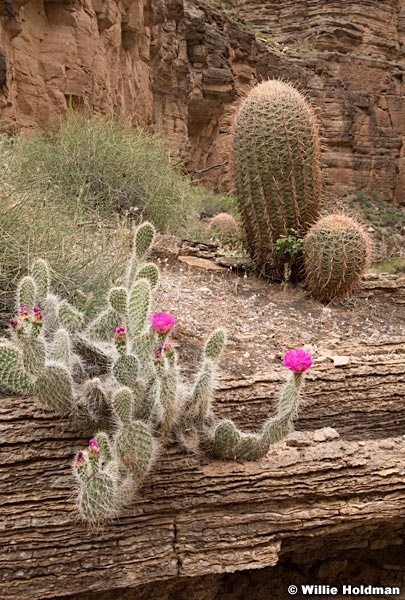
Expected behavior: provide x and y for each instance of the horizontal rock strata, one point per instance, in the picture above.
(195, 516)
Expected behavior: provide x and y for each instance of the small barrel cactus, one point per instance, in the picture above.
(224, 225)
(337, 252)
(276, 168)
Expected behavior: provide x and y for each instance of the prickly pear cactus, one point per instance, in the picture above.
(337, 253)
(276, 168)
(120, 373)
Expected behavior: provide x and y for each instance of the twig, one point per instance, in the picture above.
(211, 167)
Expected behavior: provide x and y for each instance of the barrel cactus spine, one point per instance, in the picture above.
(276, 168)
(337, 253)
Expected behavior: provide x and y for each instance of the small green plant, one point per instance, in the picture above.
(286, 250)
(118, 375)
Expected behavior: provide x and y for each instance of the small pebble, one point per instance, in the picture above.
(325, 434)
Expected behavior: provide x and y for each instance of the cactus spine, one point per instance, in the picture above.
(337, 253)
(276, 168)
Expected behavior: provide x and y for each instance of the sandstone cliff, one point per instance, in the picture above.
(179, 68)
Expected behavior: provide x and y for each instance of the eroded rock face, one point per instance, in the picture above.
(179, 68)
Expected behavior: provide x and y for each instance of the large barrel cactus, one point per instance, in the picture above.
(276, 168)
(337, 252)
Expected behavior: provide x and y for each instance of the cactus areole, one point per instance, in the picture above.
(276, 167)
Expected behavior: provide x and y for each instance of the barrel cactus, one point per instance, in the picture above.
(337, 252)
(276, 168)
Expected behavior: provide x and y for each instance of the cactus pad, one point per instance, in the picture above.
(123, 402)
(54, 388)
(26, 292)
(97, 500)
(150, 272)
(118, 300)
(61, 348)
(34, 355)
(135, 448)
(70, 317)
(41, 275)
(215, 344)
(226, 439)
(139, 305)
(143, 240)
(126, 369)
(12, 373)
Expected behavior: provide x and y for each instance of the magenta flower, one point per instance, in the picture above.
(298, 360)
(120, 335)
(24, 311)
(162, 322)
(94, 447)
(80, 459)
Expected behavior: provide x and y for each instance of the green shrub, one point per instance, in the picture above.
(109, 166)
(87, 254)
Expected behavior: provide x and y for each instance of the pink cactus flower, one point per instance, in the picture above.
(80, 459)
(94, 447)
(24, 311)
(298, 360)
(120, 335)
(162, 322)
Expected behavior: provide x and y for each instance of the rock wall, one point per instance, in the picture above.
(179, 68)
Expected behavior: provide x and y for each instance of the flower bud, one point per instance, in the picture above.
(94, 448)
(120, 336)
(24, 311)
